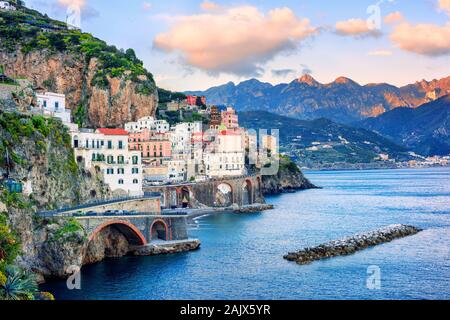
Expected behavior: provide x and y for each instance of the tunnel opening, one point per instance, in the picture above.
(159, 231)
(112, 240)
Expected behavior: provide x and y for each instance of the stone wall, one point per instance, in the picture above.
(152, 205)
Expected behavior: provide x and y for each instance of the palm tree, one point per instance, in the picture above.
(18, 286)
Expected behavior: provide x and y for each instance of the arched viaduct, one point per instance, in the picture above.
(139, 230)
(224, 192)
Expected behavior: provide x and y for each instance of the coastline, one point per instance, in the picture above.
(305, 170)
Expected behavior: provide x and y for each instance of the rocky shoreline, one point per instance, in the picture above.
(258, 207)
(350, 245)
(166, 248)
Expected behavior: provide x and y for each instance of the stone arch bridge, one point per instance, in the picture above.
(139, 230)
(226, 192)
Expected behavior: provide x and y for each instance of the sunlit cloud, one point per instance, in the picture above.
(358, 28)
(236, 40)
(210, 6)
(425, 39)
(380, 53)
(393, 18)
(444, 5)
(147, 6)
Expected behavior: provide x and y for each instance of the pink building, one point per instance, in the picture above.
(230, 118)
(154, 147)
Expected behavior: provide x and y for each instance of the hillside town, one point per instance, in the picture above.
(151, 152)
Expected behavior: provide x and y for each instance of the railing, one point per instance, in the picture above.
(52, 213)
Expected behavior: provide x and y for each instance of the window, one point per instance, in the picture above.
(121, 171)
(135, 181)
(110, 171)
(109, 144)
(56, 105)
(120, 181)
(135, 159)
(45, 104)
(110, 159)
(135, 170)
(120, 144)
(120, 160)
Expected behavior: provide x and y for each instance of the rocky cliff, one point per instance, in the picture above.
(104, 86)
(289, 178)
(37, 153)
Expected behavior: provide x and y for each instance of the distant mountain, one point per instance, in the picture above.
(322, 143)
(425, 130)
(343, 100)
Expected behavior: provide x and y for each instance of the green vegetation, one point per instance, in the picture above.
(28, 30)
(68, 231)
(287, 164)
(15, 284)
(166, 96)
(16, 127)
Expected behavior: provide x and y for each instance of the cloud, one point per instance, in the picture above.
(237, 40)
(380, 53)
(358, 28)
(282, 73)
(210, 6)
(394, 17)
(147, 6)
(444, 5)
(424, 39)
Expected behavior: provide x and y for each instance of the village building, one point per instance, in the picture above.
(5, 5)
(107, 151)
(225, 157)
(215, 118)
(229, 118)
(149, 123)
(54, 105)
(156, 151)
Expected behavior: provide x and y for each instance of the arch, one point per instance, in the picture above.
(185, 197)
(159, 230)
(129, 230)
(224, 196)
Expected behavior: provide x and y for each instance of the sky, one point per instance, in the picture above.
(197, 44)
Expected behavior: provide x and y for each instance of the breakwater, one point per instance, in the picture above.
(350, 245)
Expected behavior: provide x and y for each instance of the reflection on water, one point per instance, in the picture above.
(241, 255)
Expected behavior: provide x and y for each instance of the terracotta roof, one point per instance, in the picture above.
(113, 132)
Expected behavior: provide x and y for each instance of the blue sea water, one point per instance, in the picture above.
(241, 256)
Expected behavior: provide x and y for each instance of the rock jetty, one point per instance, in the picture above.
(350, 245)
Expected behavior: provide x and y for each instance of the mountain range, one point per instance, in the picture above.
(322, 143)
(425, 130)
(342, 100)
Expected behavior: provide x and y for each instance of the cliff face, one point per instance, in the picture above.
(118, 100)
(289, 178)
(104, 85)
(41, 158)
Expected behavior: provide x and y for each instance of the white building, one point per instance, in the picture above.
(5, 5)
(177, 170)
(107, 151)
(226, 156)
(181, 136)
(149, 123)
(54, 104)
